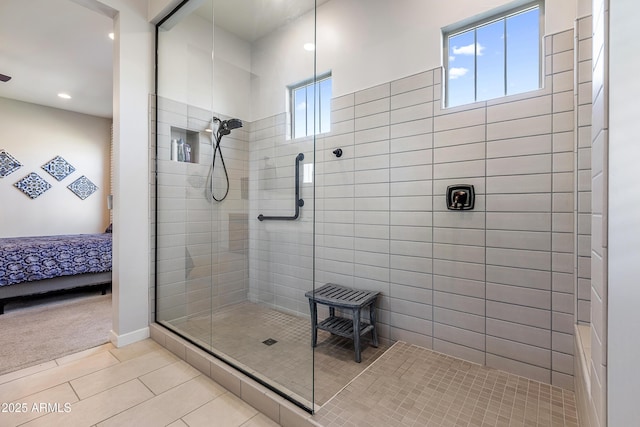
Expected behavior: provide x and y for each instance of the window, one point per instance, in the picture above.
(495, 57)
(311, 105)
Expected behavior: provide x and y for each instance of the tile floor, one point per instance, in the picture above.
(144, 384)
(288, 364)
(414, 386)
(139, 385)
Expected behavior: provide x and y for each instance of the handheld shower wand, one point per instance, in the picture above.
(224, 128)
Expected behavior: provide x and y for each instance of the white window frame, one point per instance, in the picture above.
(292, 107)
(493, 16)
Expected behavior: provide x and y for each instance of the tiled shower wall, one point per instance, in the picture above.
(583, 156)
(494, 285)
(599, 241)
(280, 251)
(202, 245)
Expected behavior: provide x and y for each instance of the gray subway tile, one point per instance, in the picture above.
(459, 136)
(472, 168)
(461, 303)
(472, 288)
(414, 112)
(519, 333)
(461, 270)
(538, 183)
(411, 158)
(461, 351)
(380, 120)
(539, 144)
(411, 293)
(370, 108)
(373, 93)
(460, 220)
(527, 297)
(409, 233)
(459, 319)
(519, 368)
(414, 127)
(519, 165)
(414, 97)
(411, 143)
(521, 352)
(530, 107)
(518, 128)
(519, 221)
(518, 202)
(519, 314)
(341, 102)
(459, 153)
(519, 277)
(413, 279)
(459, 236)
(540, 241)
(536, 260)
(413, 82)
(458, 336)
(465, 253)
(459, 119)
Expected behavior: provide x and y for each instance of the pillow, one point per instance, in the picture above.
(109, 228)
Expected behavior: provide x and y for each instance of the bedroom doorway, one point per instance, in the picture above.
(45, 327)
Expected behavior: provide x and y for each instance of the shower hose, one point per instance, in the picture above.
(217, 149)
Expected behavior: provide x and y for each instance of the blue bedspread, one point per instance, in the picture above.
(25, 259)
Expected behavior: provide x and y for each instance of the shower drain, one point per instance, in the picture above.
(269, 341)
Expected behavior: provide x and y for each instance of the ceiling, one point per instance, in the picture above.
(53, 46)
(253, 19)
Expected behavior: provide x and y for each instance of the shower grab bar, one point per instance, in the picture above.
(298, 201)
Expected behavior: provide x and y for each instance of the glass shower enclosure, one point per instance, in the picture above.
(234, 188)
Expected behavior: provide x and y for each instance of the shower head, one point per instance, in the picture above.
(226, 126)
(232, 124)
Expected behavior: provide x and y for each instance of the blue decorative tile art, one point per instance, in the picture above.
(58, 168)
(8, 164)
(82, 187)
(33, 185)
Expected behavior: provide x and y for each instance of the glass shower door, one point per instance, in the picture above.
(226, 280)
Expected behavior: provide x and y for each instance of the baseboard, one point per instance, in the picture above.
(128, 338)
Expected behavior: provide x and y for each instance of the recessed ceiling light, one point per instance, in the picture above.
(310, 47)
(64, 95)
(112, 36)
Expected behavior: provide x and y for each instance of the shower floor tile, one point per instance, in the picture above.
(414, 386)
(239, 335)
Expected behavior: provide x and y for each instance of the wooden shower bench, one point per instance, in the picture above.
(336, 296)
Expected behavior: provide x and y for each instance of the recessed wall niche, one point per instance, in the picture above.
(184, 145)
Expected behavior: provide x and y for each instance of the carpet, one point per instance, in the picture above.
(36, 332)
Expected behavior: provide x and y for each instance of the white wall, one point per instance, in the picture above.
(185, 73)
(366, 43)
(35, 134)
(132, 84)
(624, 216)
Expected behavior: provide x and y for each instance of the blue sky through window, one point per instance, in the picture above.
(312, 105)
(476, 68)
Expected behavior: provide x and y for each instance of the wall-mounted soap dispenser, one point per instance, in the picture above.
(460, 197)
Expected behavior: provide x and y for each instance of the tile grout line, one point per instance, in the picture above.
(357, 376)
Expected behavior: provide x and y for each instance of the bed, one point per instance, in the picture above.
(38, 265)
